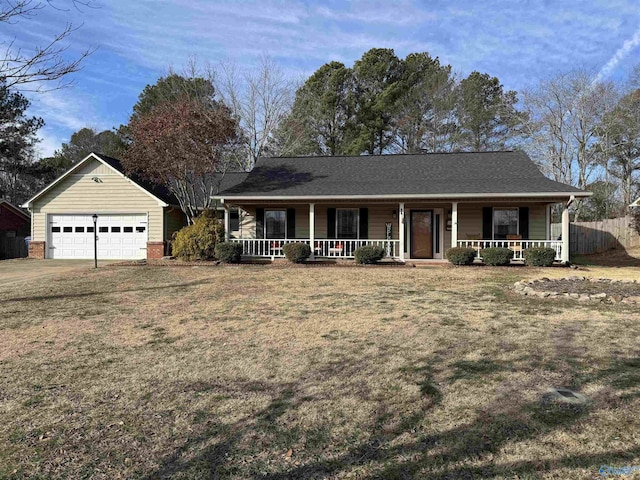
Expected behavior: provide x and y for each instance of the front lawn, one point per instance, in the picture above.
(288, 373)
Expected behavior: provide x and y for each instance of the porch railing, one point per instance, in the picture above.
(338, 248)
(518, 246)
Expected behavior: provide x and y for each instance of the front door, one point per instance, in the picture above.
(421, 233)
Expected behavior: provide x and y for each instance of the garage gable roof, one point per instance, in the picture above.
(161, 195)
(15, 209)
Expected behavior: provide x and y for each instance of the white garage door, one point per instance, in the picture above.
(119, 236)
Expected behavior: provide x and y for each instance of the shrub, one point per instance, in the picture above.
(539, 256)
(461, 255)
(497, 256)
(198, 241)
(368, 254)
(229, 252)
(296, 252)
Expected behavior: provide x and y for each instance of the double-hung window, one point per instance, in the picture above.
(275, 224)
(347, 223)
(505, 222)
(234, 219)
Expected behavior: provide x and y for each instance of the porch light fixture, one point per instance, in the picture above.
(95, 240)
(395, 214)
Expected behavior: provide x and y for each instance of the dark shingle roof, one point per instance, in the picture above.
(16, 210)
(425, 174)
(226, 180)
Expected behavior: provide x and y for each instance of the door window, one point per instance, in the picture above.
(275, 223)
(347, 223)
(505, 222)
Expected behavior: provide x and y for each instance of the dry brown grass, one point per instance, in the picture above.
(243, 372)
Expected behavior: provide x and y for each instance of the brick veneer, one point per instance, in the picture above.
(155, 250)
(37, 250)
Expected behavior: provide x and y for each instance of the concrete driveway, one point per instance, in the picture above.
(25, 270)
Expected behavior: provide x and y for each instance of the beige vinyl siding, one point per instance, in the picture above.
(302, 221)
(248, 220)
(378, 216)
(470, 220)
(537, 222)
(447, 235)
(95, 168)
(79, 194)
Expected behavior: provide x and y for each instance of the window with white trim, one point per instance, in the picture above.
(275, 224)
(234, 219)
(347, 222)
(505, 222)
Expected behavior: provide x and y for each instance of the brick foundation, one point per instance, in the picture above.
(155, 250)
(37, 250)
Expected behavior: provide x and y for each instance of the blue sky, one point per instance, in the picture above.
(520, 42)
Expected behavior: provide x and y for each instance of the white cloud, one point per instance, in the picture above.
(627, 47)
(392, 13)
(520, 42)
(62, 107)
(49, 143)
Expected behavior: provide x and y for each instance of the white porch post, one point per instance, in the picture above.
(565, 233)
(454, 224)
(312, 229)
(401, 231)
(227, 224)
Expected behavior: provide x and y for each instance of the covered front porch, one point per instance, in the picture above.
(408, 230)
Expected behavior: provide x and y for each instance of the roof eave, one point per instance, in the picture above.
(15, 209)
(419, 196)
(75, 167)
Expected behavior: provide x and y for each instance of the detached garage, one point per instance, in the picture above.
(134, 219)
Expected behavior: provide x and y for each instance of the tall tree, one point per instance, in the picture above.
(174, 87)
(17, 139)
(603, 203)
(322, 111)
(260, 99)
(619, 139)
(49, 63)
(425, 115)
(87, 140)
(565, 113)
(487, 116)
(180, 144)
(376, 91)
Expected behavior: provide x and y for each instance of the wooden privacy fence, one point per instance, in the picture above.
(12, 247)
(595, 237)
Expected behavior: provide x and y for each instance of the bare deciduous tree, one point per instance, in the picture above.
(259, 99)
(180, 144)
(620, 143)
(564, 115)
(47, 62)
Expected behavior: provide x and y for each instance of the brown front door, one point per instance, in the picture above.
(421, 233)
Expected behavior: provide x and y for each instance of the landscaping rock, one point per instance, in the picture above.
(582, 289)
